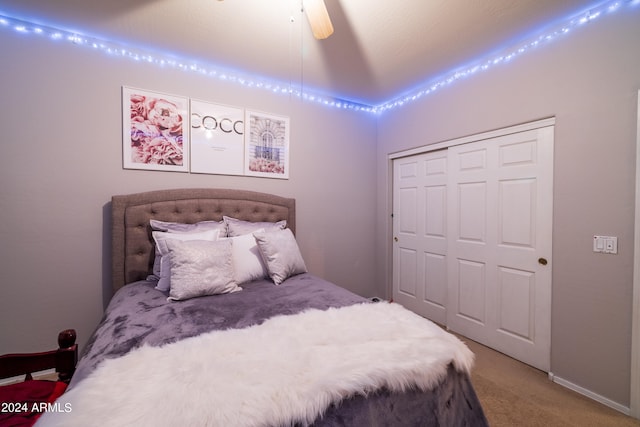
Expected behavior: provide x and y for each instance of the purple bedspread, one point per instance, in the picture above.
(138, 314)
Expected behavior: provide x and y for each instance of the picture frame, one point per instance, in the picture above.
(217, 138)
(155, 131)
(266, 145)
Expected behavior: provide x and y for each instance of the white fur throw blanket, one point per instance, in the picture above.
(288, 369)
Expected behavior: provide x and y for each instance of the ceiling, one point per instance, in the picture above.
(379, 49)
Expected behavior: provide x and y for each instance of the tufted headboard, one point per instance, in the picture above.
(132, 249)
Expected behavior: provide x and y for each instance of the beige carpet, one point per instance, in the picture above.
(515, 394)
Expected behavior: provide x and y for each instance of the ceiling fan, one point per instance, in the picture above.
(318, 18)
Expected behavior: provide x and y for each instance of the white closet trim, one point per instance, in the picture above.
(474, 138)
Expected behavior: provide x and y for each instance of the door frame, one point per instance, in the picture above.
(635, 327)
(551, 121)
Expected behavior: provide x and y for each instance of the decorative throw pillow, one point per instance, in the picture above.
(247, 261)
(238, 227)
(200, 267)
(179, 227)
(161, 238)
(281, 254)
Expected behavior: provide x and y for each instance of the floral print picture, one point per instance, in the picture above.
(155, 131)
(266, 145)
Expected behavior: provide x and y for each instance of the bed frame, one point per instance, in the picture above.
(63, 360)
(132, 248)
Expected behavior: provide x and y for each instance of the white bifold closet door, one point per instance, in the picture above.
(472, 234)
(420, 234)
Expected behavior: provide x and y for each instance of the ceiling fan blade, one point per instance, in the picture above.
(318, 18)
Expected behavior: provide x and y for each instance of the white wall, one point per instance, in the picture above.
(62, 161)
(589, 81)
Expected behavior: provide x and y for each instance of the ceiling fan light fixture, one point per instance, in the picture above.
(318, 18)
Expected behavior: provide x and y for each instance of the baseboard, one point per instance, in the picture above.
(591, 395)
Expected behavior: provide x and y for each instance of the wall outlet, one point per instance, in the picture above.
(605, 244)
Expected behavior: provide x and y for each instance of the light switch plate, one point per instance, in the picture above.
(605, 244)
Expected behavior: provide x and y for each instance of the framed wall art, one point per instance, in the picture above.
(266, 145)
(217, 139)
(155, 131)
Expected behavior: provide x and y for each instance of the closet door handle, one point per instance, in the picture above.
(395, 239)
(542, 261)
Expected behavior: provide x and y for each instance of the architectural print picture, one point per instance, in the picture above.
(172, 133)
(267, 145)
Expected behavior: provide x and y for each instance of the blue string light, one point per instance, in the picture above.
(574, 22)
(113, 49)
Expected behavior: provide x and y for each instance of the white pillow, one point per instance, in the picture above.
(238, 227)
(281, 253)
(161, 238)
(247, 261)
(200, 267)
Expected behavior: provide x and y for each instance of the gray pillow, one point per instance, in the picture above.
(238, 227)
(200, 267)
(179, 227)
(280, 253)
(163, 267)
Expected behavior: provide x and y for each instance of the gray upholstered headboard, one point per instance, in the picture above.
(132, 248)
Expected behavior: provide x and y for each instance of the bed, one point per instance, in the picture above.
(268, 346)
